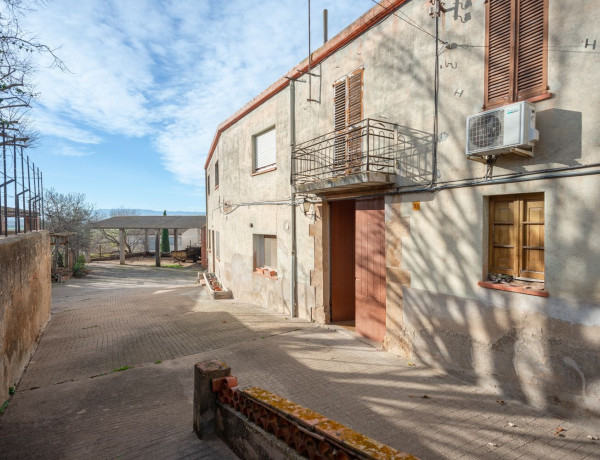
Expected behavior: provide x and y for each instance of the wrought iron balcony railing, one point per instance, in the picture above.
(368, 146)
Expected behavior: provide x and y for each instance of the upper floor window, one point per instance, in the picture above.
(216, 174)
(347, 94)
(516, 50)
(265, 152)
(208, 185)
(348, 111)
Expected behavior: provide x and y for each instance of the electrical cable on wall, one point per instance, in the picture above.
(410, 22)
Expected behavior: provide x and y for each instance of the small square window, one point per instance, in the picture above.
(265, 252)
(516, 244)
(265, 151)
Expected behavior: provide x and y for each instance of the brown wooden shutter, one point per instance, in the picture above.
(339, 124)
(532, 234)
(355, 97)
(516, 50)
(503, 236)
(499, 52)
(517, 235)
(339, 94)
(355, 114)
(531, 75)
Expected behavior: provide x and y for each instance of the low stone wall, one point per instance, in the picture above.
(25, 301)
(257, 424)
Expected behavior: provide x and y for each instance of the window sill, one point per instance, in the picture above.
(263, 171)
(512, 288)
(538, 98)
(266, 272)
(541, 97)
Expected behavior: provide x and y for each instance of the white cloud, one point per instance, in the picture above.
(58, 126)
(168, 70)
(69, 151)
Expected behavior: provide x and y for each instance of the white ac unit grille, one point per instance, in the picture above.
(486, 131)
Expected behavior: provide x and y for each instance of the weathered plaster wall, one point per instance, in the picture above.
(436, 256)
(502, 342)
(25, 300)
(247, 204)
(541, 348)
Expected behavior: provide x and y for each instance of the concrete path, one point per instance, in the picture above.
(73, 402)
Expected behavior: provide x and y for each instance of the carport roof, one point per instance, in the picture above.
(151, 222)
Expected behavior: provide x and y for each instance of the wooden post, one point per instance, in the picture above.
(146, 249)
(66, 257)
(175, 239)
(122, 246)
(157, 247)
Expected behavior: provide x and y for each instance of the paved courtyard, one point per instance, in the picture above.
(113, 377)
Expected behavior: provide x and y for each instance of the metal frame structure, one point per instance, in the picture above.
(368, 146)
(22, 184)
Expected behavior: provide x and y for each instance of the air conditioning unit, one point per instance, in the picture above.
(506, 129)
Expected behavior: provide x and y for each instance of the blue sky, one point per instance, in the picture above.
(130, 125)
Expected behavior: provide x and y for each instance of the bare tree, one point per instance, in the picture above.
(16, 50)
(70, 213)
(134, 238)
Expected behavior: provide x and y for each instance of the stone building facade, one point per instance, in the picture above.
(328, 198)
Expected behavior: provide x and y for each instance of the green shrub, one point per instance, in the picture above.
(79, 266)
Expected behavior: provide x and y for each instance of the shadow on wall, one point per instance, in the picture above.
(333, 374)
(541, 351)
(560, 137)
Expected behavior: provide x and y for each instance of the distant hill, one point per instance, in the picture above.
(150, 212)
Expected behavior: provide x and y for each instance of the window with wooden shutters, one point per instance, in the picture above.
(516, 50)
(265, 151)
(348, 112)
(216, 174)
(517, 236)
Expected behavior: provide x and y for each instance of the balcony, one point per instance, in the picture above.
(370, 154)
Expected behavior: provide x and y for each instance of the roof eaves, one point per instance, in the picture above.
(358, 27)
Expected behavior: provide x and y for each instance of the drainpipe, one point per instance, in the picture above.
(436, 85)
(293, 262)
(205, 250)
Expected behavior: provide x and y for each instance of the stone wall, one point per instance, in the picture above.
(25, 300)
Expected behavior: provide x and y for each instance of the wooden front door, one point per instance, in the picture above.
(369, 268)
(342, 261)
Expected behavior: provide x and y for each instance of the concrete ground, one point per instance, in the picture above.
(74, 402)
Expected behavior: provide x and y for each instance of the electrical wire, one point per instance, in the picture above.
(409, 21)
(235, 206)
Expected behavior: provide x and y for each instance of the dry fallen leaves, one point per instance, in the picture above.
(500, 401)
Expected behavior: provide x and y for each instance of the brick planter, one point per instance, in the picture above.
(216, 288)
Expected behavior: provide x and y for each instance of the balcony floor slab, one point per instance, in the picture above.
(351, 182)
